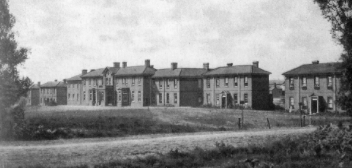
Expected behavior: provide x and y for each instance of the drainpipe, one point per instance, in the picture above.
(214, 96)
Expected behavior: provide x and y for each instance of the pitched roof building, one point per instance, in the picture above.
(53, 93)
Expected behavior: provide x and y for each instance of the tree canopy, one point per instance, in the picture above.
(339, 14)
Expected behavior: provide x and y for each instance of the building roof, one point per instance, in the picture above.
(237, 69)
(34, 86)
(75, 78)
(100, 72)
(53, 84)
(135, 71)
(320, 68)
(180, 73)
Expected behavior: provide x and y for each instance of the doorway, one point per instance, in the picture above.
(314, 105)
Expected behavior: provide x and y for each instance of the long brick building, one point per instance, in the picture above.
(53, 93)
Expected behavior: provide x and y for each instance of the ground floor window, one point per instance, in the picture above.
(245, 98)
(217, 99)
(90, 95)
(304, 103)
(175, 98)
(167, 98)
(160, 98)
(208, 98)
(139, 96)
(132, 96)
(120, 96)
(330, 103)
(292, 102)
(77, 97)
(84, 95)
(235, 98)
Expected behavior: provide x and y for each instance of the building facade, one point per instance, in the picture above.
(230, 86)
(33, 95)
(314, 85)
(178, 86)
(132, 85)
(75, 89)
(53, 93)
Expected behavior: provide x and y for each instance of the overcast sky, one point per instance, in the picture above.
(67, 36)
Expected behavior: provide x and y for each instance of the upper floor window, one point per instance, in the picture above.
(133, 80)
(160, 83)
(235, 81)
(316, 82)
(291, 83)
(217, 82)
(208, 82)
(245, 81)
(304, 82)
(167, 83)
(175, 83)
(139, 81)
(329, 82)
(226, 81)
(124, 81)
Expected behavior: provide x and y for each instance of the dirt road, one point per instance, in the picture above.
(98, 150)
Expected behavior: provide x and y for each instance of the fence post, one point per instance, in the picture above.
(239, 123)
(267, 119)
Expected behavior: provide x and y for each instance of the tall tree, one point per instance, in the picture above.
(339, 14)
(11, 86)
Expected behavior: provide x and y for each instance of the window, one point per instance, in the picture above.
(329, 82)
(235, 98)
(90, 81)
(291, 83)
(175, 83)
(167, 83)
(160, 83)
(106, 81)
(217, 82)
(330, 103)
(304, 103)
(217, 99)
(292, 103)
(304, 82)
(133, 80)
(208, 82)
(245, 81)
(167, 98)
(316, 82)
(120, 96)
(90, 95)
(208, 98)
(100, 82)
(73, 96)
(139, 81)
(160, 98)
(235, 81)
(226, 81)
(245, 98)
(132, 96)
(77, 97)
(175, 98)
(84, 95)
(139, 96)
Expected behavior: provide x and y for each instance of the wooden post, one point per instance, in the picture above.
(267, 119)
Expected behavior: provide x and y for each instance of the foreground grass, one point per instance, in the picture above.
(56, 123)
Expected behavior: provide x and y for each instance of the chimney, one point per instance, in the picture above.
(55, 80)
(275, 85)
(256, 64)
(116, 64)
(206, 65)
(124, 64)
(84, 71)
(64, 80)
(173, 65)
(147, 63)
(315, 62)
(92, 70)
(229, 64)
(38, 83)
(151, 66)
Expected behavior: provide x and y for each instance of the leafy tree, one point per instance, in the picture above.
(339, 14)
(11, 86)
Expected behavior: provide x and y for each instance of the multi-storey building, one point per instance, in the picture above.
(98, 86)
(53, 93)
(178, 86)
(33, 95)
(133, 85)
(314, 85)
(227, 86)
(75, 89)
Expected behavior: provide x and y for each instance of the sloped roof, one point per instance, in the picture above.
(54, 84)
(100, 72)
(180, 73)
(237, 69)
(321, 68)
(75, 78)
(34, 86)
(135, 71)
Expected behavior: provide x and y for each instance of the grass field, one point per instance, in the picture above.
(85, 122)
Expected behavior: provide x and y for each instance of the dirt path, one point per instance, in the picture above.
(76, 152)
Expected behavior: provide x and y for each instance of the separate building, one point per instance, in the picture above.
(179, 86)
(314, 85)
(227, 86)
(277, 92)
(133, 85)
(75, 89)
(53, 93)
(33, 95)
(98, 86)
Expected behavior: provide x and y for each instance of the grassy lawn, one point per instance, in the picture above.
(67, 122)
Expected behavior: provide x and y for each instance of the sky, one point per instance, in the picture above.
(67, 36)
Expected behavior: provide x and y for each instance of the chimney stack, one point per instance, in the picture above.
(116, 64)
(147, 63)
(174, 65)
(84, 71)
(229, 64)
(206, 65)
(315, 62)
(38, 83)
(65, 81)
(55, 80)
(151, 66)
(256, 64)
(124, 64)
